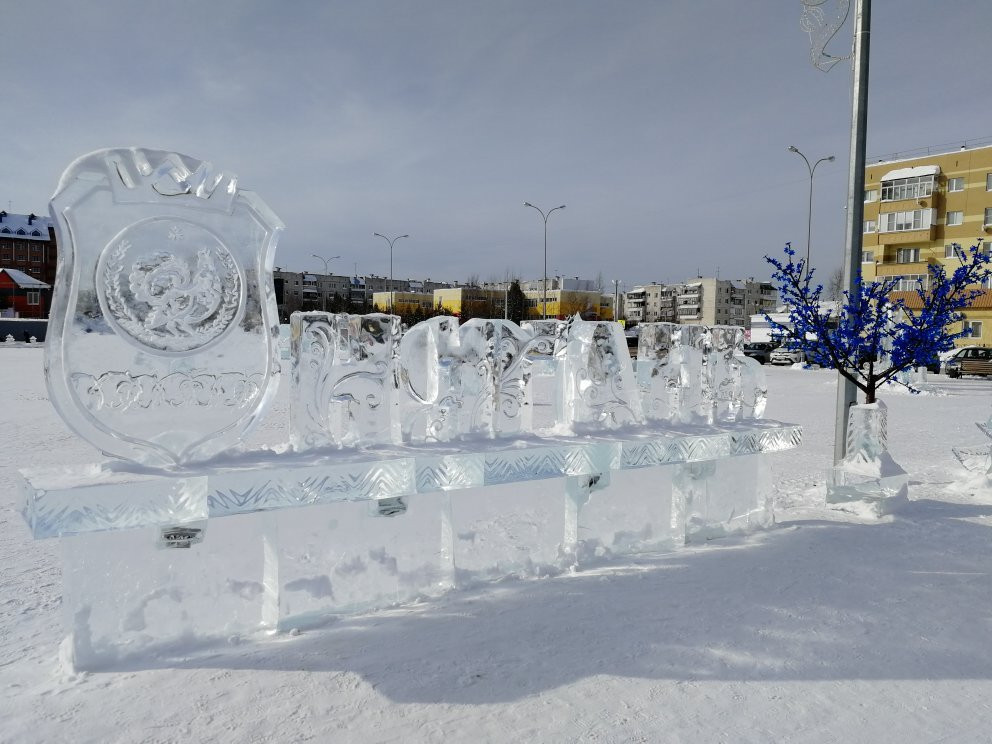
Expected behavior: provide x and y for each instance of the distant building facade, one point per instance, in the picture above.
(27, 244)
(703, 301)
(915, 209)
(23, 296)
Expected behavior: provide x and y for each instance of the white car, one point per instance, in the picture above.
(782, 355)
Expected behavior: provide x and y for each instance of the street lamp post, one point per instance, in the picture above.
(323, 295)
(616, 298)
(544, 310)
(809, 216)
(380, 235)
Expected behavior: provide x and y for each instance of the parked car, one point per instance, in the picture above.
(944, 356)
(784, 355)
(971, 360)
(759, 351)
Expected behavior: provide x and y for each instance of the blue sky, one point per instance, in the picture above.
(663, 126)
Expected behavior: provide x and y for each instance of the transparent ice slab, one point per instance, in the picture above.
(596, 384)
(867, 474)
(161, 347)
(126, 596)
(347, 557)
(343, 390)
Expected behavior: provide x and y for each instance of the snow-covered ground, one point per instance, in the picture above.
(824, 628)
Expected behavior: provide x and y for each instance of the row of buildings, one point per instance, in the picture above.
(704, 300)
(565, 296)
(916, 209)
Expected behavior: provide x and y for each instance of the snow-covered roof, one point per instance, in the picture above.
(25, 281)
(24, 226)
(919, 170)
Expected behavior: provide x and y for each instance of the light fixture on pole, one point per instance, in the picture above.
(544, 310)
(323, 295)
(380, 235)
(809, 216)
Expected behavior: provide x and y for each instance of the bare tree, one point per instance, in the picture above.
(835, 284)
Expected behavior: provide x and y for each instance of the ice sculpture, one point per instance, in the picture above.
(977, 459)
(471, 380)
(163, 350)
(344, 393)
(596, 379)
(751, 386)
(161, 347)
(496, 376)
(428, 375)
(867, 474)
(724, 348)
(658, 370)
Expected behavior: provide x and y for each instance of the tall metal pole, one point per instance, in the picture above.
(847, 392)
(616, 299)
(544, 310)
(323, 296)
(809, 213)
(390, 264)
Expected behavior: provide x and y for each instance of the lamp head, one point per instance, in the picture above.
(831, 158)
(528, 204)
(793, 148)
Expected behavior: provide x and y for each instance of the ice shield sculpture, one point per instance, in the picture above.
(343, 393)
(596, 379)
(161, 347)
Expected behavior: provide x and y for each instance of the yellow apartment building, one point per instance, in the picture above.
(564, 303)
(477, 301)
(916, 208)
(403, 303)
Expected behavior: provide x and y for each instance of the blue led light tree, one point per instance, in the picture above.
(874, 336)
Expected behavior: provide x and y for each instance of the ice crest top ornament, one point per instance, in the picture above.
(162, 340)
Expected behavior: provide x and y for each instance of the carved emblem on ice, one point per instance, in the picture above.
(161, 258)
(176, 300)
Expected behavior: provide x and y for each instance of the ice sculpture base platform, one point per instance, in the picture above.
(156, 563)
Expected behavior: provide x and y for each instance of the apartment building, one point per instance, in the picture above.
(651, 303)
(705, 300)
(916, 209)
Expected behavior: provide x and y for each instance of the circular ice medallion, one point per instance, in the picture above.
(169, 285)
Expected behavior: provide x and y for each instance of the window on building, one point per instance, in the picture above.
(909, 283)
(988, 216)
(917, 219)
(871, 195)
(955, 184)
(907, 255)
(907, 188)
(34, 297)
(955, 218)
(953, 251)
(867, 256)
(869, 226)
(973, 328)
(988, 181)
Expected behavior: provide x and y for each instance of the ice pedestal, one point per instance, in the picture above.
(867, 476)
(290, 540)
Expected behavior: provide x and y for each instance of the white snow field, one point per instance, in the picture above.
(823, 628)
